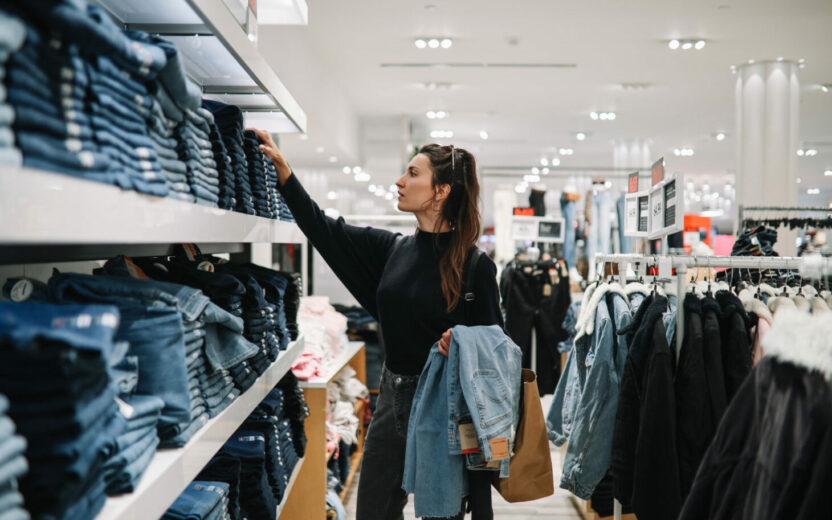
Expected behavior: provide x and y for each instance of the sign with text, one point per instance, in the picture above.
(523, 212)
(537, 229)
(637, 215)
(632, 182)
(666, 211)
(658, 171)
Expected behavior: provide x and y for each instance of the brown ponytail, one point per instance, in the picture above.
(457, 168)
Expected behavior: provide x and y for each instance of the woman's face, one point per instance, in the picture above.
(416, 192)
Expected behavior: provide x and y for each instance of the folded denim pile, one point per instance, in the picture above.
(11, 38)
(54, 362)
(201, 500)
(12, 467)
(136, 446)
(89, 99)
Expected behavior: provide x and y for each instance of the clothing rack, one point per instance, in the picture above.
(810, 267)
(778, 209)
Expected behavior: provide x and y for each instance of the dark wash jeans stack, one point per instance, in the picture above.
(136, 446)
(11, 38)
(257, 175)
(54, 362)
(229, 121)
(201, 500)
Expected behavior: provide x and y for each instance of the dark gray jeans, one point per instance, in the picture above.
(380, 493)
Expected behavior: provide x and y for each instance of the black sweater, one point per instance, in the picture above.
(398, 284)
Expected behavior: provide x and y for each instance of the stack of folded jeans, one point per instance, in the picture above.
(261, 316)
(195, 149)
(201, 500)
(291, 303)
(11, 39)
(12, 467)
(54, 363)
(294, 408)
(166, 116)
(283, 209)
(258, 175)
(224, 168)
(136, 446)
(47, 87)
(271, 177)
(256, 496)
(229, 120)
(225, 468)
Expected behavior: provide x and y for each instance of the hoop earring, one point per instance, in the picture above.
(436, 205)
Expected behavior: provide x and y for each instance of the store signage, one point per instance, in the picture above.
(658, 171)
(523, 212)
(632, 182)
(666, 209)
(637, 214)
(537, 229)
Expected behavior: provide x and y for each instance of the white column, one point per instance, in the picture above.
(767, 114)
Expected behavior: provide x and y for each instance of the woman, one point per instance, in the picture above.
(412, 285)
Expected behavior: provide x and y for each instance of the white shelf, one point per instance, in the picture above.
(186, 17)
(292, 480)
(45, 208)
(352, 348)
(171, 471)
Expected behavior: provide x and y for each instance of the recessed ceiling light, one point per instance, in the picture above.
(826, 87)
(699, 45)
(521, 187)
(356, 169)
(319, 149)
(780, 58)
(433, 43)
(580, 136)
(362, 177)
(545, 171)
(446, 43)
(799, 180)
(331, 195)
(346, 169)
(333, 159)
(441, 114)
(828, 173)
(420, 43)
(807, 152)
(801, 60)
(441, 134)
(393, 188)
(566, 151)
(687, 46)
(483, 135)
(594, 116)
(813, 191)
(532, 178)
(720, 136)
(535, 170)
(388, 196)
(371, 188)
(555, 162)
(683, 152)
(431, 114)
(673, 44)
(544, 161)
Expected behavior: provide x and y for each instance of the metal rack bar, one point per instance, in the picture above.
(742, 209)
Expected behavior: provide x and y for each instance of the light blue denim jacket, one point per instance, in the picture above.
(480, 380)
(585, 414)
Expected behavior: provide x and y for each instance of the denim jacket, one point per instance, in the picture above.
(480, 380)
(584, 409)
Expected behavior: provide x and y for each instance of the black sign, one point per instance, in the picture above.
(549, 230)
(670, 206)
(643, 209)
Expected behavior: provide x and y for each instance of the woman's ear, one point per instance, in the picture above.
(443, 190)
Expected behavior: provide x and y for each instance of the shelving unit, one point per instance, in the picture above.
(308, 499)
(171, 471)
(292, 479)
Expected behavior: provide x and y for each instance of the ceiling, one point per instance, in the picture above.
(530, 112)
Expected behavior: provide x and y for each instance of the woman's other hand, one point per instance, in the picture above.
(270, 149)
(445, 343)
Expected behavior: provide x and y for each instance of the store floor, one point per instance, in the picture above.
(556, 507)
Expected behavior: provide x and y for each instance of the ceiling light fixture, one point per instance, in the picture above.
(420, 43)
(362, 177)
(580, 136)
(593, 116)
(555, 162)
(799, 180)
(388, 196)
(393, 188)
(441, 114)
(441, 134)
(433, 43)
(544, 161)
(687, 44)
(827, 173)
(331, 195)
(566, 151)
(347, 169)
(683, 152)
(720, 136)
(603, 116)
(807, 152)
(446, 43)
(356, 169)
(521, 187)
(813, 191)
(545, 171)
(826, 87)
(531, 178)
(483, 135)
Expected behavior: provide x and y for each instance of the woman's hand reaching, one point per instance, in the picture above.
(270, 149)
(445, 343)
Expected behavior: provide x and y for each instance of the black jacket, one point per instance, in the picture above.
(736, 342)
(695, 424)
(644, 458)
(770, 457)
(712, 356)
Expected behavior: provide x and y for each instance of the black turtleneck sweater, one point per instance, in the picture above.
(398, 284)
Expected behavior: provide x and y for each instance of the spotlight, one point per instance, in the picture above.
(433, 43)
(700, 45)
(420, 43)
(673, 44)
(580, 136)
(483, 135)
(446, 43)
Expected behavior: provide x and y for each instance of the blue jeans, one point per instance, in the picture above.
(198, 501)
(598, 239)
(567, 209)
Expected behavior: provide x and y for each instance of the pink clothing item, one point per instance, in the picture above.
(760, 331)
(307, 366)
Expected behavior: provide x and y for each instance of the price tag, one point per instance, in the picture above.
(656, 212)
(632, 182)
(499, 448)
(468, 438)
(658, 171)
